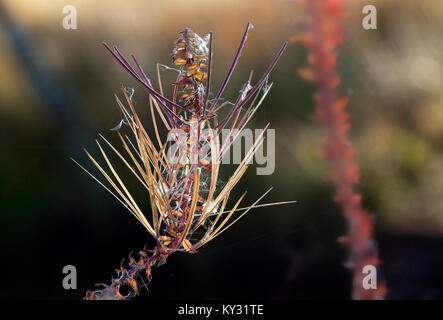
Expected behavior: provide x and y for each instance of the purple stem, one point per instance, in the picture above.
(231, 69)
(151, 90)
(256, 87)
(208, 83)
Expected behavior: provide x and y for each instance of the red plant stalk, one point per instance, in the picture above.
(324, 33)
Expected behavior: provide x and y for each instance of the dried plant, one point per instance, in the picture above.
(187, 211)
(324, 33)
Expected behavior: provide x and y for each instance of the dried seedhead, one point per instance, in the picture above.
(188, 208)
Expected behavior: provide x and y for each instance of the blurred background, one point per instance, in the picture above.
(56, 96)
